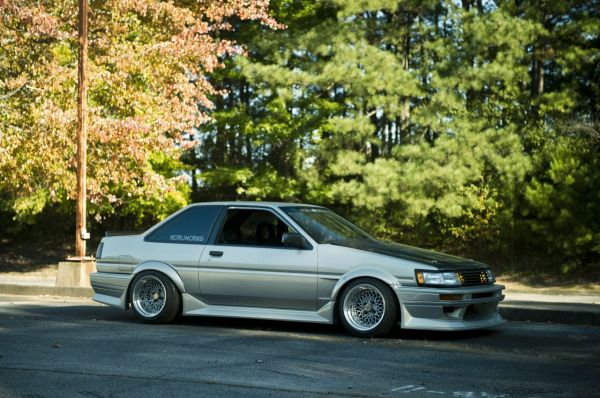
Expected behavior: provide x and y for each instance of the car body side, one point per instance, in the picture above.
(284, 283)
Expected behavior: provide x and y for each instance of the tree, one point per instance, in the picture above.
(465, 126)
(252, 146)
(418, 119)
(563, 198)
(148, 89)
(415, 111)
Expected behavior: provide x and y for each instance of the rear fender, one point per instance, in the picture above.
(160, 267)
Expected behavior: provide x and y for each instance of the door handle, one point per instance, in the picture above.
(215, 253)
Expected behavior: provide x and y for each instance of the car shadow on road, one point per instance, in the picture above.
(337, 330)
(109, 314)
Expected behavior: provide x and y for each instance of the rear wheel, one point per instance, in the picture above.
(367, 308)
(154, 297)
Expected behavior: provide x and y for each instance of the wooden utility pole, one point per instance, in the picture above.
(81, 234)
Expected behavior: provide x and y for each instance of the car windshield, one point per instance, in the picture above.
(325, 226)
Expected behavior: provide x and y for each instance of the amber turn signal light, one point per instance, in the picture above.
(446, 297)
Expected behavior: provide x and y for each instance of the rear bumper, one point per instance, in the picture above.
(110, 288)
(422, 308)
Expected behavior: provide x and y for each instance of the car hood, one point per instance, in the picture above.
(441, 261)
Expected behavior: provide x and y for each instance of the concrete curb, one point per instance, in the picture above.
(46, 290)
(564, 313)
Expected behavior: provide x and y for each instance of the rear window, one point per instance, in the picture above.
(192, 226)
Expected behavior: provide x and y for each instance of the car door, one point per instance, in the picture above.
(247, 265)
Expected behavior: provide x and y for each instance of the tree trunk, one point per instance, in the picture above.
(405, 106)
(540, 85)
(466, 5)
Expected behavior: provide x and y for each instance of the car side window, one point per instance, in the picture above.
(192, 226)
(253, 227)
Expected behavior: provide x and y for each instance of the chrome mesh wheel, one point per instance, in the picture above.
(149, 296)
(364, 307)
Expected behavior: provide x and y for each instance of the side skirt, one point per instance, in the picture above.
(196, 307)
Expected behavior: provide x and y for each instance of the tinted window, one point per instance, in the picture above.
(191, 226)
(253, 227)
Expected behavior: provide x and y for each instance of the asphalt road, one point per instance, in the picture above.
(55, 348)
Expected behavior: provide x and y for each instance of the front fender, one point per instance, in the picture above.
(161, 267)
(364, 272)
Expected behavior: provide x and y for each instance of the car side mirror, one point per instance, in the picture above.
(294, 240)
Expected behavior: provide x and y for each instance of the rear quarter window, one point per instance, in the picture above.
(192, 226)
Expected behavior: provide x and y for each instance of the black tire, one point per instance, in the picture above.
(154, 297)
(367, 308)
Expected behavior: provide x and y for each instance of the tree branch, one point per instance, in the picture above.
(4, 97)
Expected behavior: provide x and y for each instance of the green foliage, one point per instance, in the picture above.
(438, 123)
(563, 200)
(431, 123)
(27, 207)
(456, 190)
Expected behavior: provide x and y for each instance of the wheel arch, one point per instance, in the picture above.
(158, 266)
(363, 272)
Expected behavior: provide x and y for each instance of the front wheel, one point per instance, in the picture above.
(154, 297)
(367, 308)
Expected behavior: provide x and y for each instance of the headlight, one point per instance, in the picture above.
(427, 278)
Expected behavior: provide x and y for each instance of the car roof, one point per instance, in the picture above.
(253, 203)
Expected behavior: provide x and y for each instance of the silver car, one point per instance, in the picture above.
(292, 262)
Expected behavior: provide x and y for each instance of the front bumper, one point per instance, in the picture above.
(422, 307)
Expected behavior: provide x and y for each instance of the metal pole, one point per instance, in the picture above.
(80, 217)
